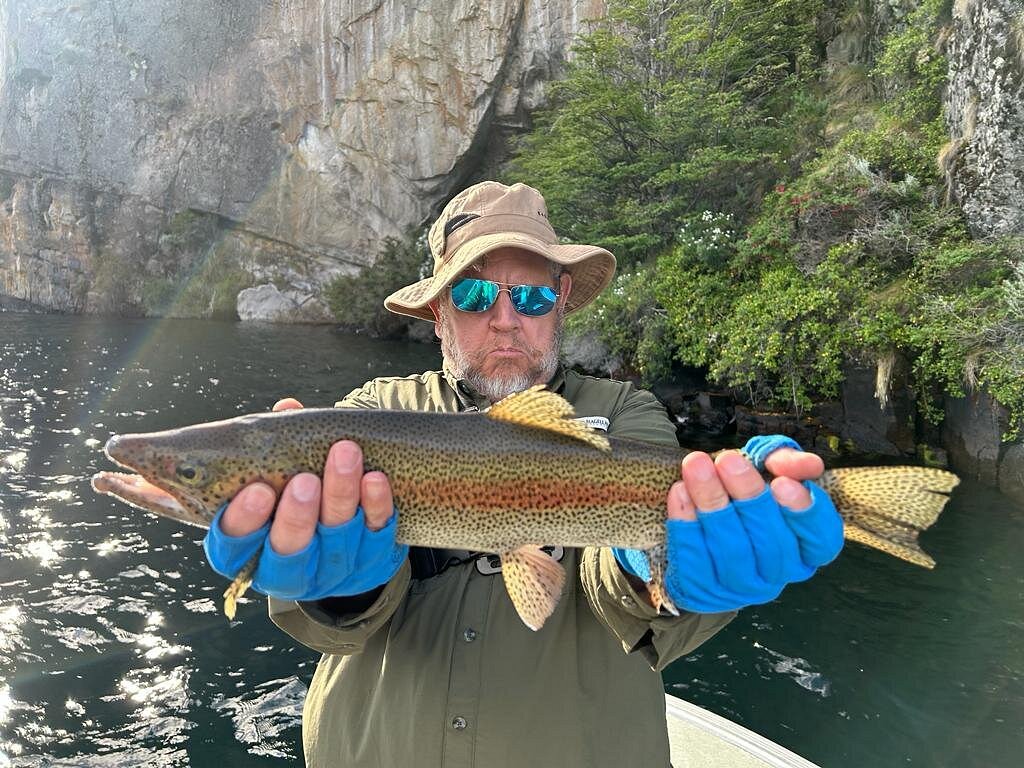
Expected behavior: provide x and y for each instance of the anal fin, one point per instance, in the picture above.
(534, 582)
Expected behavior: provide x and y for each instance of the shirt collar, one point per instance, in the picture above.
(470, 399)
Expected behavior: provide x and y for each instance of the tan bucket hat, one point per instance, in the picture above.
(490, 215)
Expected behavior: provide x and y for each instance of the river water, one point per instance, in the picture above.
(113, 651)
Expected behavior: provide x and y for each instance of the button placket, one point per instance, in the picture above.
(464, 683)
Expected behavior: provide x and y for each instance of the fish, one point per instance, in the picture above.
(520, 475)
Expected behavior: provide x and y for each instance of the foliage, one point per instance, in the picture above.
(632, 326)
(190, 275)
(357, 301)
(115, 283)
(211, 287)
(690, 138)
(671, 108)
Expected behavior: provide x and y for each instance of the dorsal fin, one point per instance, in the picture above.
(540, 408)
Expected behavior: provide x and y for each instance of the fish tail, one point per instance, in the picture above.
(887, 507)
(238, 587)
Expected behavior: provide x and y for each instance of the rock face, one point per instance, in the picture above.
(972, 432)
(985, 171)
(148, 150)
(985, 113)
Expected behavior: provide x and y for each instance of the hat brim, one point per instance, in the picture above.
(591, 267)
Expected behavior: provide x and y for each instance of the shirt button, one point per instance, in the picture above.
(628, 601)
(459, 723)
(469, 635)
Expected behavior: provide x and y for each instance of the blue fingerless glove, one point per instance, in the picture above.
(340, 560)
(748, 551)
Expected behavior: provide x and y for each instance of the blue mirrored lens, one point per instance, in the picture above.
(533, 300)
(471, 295)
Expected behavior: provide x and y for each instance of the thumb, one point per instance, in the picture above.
(287, 404)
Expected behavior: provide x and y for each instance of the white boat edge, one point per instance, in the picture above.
(701, 738)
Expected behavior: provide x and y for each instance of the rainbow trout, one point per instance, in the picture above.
(522, 474)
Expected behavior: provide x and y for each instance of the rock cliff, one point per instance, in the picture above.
(985, 114)
(159, 156)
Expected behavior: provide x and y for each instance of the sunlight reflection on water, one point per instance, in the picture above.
(113, 650)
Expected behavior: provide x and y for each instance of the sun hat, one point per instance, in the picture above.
(490, 215)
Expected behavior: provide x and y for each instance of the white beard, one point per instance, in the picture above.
(498, 387)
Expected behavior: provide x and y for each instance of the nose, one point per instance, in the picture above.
(503, 315)
(113, 447)
(124, 449)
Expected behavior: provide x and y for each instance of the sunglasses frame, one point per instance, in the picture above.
(503, 288)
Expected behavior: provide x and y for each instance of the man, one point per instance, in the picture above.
(425, 661)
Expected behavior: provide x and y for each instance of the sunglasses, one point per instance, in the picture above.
(470, 294)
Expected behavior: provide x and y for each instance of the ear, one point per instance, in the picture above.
(564, 289)
(435, 309)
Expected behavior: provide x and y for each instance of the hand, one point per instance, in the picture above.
(732, 542)
(331, 539)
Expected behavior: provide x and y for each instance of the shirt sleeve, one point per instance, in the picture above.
(639, 415)
(340, 634)
(660, 638)
(362, 397)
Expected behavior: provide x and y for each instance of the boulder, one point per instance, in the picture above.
(972, 433)
(874, 427)
(266, 303)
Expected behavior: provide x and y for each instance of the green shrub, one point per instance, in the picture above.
(357, 301)
(666, 112)
(628, 322)
(211, 287)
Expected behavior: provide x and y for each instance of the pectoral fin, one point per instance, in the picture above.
(238, 587)
(534, 582)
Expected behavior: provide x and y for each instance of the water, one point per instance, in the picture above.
(113, 650)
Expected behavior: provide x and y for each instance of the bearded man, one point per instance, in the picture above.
(425, 661)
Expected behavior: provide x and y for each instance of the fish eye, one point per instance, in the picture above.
(188, 473)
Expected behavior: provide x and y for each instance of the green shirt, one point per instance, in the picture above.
(442, 672)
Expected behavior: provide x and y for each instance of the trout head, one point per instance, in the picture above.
(183, 474)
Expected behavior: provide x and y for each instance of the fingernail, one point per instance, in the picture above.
(255, 499)
(734, 464)
(702, 469)
(345, 457)
(789, 494)
(375, 485)
(304, 487)
(686, 509)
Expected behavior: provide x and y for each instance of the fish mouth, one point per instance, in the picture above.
(141, 493)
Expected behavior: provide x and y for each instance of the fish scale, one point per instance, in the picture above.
(522, 474)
